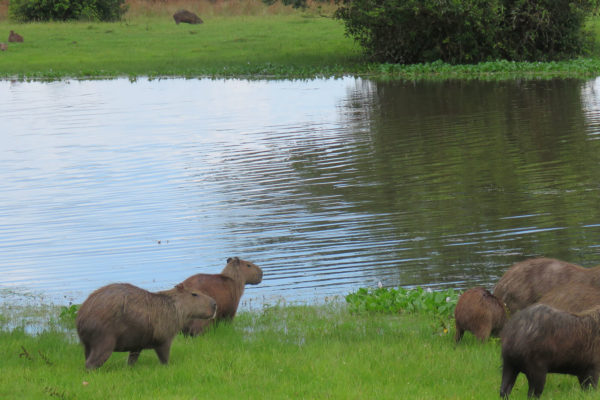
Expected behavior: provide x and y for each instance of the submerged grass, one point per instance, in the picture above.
(243, 39)
(280, 352)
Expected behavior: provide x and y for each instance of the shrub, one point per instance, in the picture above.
(64, 10)
(466, 31)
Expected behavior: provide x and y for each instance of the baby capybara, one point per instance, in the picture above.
(541, 339)
(573, 297)
(123, 317)
(14, 37)
(186, 17)
(226, 288)
(478, 312)
(527, 281)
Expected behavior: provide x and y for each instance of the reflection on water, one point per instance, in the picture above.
(329, 185)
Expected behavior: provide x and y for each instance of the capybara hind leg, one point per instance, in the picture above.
(589, 379)
(509, 376)
(536, 380)
(459, 334)
(163, 352)
(133, 357)
(99, 353)
(483, 332)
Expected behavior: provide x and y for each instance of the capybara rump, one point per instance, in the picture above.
(541, 339)
(123, 317)
(478, 312)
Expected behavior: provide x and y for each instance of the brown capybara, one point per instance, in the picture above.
(3, 46)
(186, 17)
(527, 281)
(541, 339)
(14, 37)
(226, 288)
(573, 297)
(478, 312)
(123, 317)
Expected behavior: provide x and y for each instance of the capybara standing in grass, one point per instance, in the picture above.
(541, 339)
(14, 37)
(226, 288)
(573, 297)
(527, 281)
(123, 317)
(186, 17)
(478, 312)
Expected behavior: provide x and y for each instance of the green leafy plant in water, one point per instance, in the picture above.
(68, 314)
(391, 301)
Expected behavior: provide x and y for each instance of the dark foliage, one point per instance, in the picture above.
(64, 10)
(466, 31)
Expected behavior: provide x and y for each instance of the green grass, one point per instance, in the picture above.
(300, 45)
(291, 352)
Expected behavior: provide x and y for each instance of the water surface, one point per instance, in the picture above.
(329, 185)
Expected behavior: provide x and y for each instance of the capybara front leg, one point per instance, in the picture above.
(536, 380)
(133, 357)
(163, 351)
(509, 376)
(459, 334)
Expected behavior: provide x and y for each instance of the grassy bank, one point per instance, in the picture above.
(312, 352)
(238, 39)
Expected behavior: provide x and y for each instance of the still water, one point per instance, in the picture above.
(329, 185)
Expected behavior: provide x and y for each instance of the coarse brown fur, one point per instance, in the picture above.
(573, 297)
(187, 17)
(226, 288)
(14, 37)
(541, 339)
(3, 46)
(123, 317)
(527, 281)
(478, 312)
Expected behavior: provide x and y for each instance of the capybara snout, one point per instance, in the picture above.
(123, 317)
(479, 312)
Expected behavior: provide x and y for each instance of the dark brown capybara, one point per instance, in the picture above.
(14, 37)
(541, 339)
(573, 297)
(478, 312)
(186, 17)
(123, 317)
(226, 288)
(527, 281)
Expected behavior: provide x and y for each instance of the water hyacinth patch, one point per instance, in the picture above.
(391, 301)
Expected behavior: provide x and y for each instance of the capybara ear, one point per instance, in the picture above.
(229, 260)
(179, 286)
(236, 259)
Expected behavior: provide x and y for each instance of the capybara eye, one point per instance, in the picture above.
(195, 294)
(248, 265)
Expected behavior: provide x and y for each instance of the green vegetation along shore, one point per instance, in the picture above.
(294, 45)
(323, 351)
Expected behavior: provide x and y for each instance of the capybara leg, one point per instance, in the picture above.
(589, 379)
(86, 350)
(459, 334)
(133, 357)
(509, 376)
(536, 380)
(99, 353)
(483, 332)
(163, 352)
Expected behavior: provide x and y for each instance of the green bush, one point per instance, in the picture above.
(466, 31)
(392, 301)
(64, 10)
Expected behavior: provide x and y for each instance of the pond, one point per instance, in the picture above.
(329, 185)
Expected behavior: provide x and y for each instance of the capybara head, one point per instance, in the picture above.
(479, 312)
(243, 271)
(193, 304)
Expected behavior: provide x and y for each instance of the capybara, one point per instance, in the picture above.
(123, 317)
(187, 17)
(573, 297)
(478, 312)
(541, 339)
(3, 46)
(14, 37)
(527, 281)
(226, 288)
